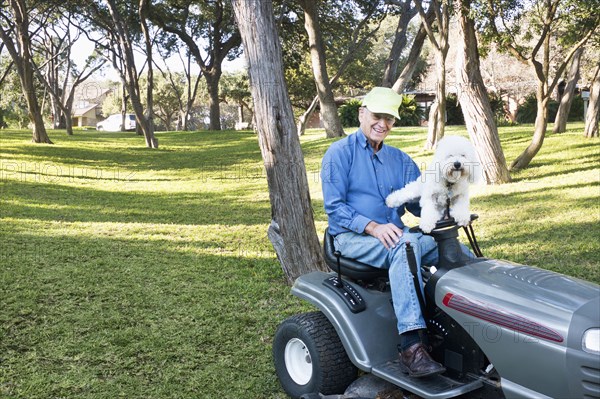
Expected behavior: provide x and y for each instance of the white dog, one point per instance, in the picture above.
(455, 165)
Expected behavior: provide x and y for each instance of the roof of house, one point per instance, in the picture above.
(84, 110)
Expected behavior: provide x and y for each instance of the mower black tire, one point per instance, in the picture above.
(310, 358)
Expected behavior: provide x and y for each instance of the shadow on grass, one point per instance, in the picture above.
(88, 316)
(77, 204)
(563, 243)
(198, 150)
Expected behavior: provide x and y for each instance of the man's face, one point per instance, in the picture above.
(376, 127)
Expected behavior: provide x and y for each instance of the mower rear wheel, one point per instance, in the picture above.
(310, 358)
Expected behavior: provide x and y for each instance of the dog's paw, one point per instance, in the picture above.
(426, 226)
(395, 199)
(462, 218)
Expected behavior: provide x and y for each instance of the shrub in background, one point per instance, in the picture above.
(576, 111)
(527, 111)
(349, 113)
(410, 113)
(499, 110)
(454, 115)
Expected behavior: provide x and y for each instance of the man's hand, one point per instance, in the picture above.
(389, 234)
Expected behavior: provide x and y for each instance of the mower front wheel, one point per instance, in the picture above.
(310, 358)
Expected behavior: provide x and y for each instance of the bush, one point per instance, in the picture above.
(454, 115)
(527, 111)
(576, 111)
(410, 113)
(349, 113)
(3, 125)
(498, 108)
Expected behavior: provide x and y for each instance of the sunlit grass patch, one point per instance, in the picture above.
(129, 272)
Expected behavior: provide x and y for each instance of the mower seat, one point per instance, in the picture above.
(349, 267)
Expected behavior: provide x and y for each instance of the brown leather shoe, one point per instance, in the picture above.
(418, 363)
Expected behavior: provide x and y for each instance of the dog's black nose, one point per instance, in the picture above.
(457, 165)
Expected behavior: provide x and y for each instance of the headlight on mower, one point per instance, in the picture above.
(591, 341)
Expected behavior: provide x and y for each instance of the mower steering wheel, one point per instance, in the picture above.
(441, 224)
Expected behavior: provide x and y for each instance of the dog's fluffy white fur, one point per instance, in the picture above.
(454, 166)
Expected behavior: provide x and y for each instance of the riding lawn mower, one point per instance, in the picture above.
(501, 329)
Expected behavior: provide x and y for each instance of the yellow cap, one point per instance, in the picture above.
(383, 100)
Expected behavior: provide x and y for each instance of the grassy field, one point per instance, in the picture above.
(136, 273)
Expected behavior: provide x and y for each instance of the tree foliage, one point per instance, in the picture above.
(545, 34)
(120, 31)
(342, 26)
(208, 30)
(235, 89)
(20, 20)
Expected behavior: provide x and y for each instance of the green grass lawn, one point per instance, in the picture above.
(137, 273)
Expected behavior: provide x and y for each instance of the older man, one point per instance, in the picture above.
(358, 173)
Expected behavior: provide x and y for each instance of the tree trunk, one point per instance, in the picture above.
(391, 66)
(354, 48)
(593, 110)
(212, 83)
(126, 67)
(305, 117)
(57, 115)
(438, 36)
(34, 110)
(474, 101)
(560, 122)
(437, 113)
(292, 229)
(151, 140)
(35, 116)
(182, 121)
(408, 71)
(329, 113)
(541, 119)
(541, 123)
(69, 125)
(124, 99)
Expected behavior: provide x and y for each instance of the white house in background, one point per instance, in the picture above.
(86, 116)
(87, 107)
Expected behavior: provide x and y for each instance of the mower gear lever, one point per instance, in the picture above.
(338, 283)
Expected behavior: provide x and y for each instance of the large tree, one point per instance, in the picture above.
(58, 72)
(535, 33)
(407, 12)
(474, 101)
(437, 32)
(198, 22)
(184, 84)
(593, 111)
(329, 115)
(16, 31)
(414, 56)
(148, 127)
(117, 28)
(292, 229)
(360, 37)
(560, 121)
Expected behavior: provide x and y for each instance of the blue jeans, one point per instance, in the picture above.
(370, 250)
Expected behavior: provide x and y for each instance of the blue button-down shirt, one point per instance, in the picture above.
(356, 181)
